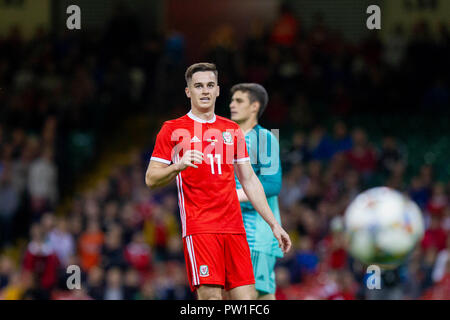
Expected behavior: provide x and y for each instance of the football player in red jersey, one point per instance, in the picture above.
(202, 152)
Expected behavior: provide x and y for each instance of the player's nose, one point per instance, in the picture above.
(205, 90)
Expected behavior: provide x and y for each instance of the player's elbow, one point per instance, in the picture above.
(149, 181)
(248, 180)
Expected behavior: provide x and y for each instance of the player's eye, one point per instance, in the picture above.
(211, 85)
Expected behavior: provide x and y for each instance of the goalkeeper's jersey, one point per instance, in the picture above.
(264, 151)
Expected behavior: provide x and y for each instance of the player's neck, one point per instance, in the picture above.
(206, 115)
(248, 125)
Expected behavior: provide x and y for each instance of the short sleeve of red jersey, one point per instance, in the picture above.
(240, 147)
(163, 146)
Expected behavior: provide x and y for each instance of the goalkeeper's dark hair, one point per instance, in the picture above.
(198, 67)
(256, 92)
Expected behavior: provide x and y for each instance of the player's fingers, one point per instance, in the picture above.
(194, 153)
(188, 161)
(193, 156)
(197, 152)
(280, 241)
(191, 165)
(196, 157)
(283, 246)
(287, 243)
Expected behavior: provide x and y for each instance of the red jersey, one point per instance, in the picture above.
(206, 195)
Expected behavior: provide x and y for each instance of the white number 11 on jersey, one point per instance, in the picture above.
(219, 163)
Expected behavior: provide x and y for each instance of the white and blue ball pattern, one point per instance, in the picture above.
(383, 226)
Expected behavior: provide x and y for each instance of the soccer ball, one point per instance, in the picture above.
(382, 227)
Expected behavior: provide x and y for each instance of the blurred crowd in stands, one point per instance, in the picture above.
(126, 239)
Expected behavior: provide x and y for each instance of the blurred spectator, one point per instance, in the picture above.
(147, 291)
(298, 153)
(6, 269)
(395, 47)
(435, 236)
(346, 287)
(429, 257)
(90, 244)
(337, 253)
(283, 282)
(223, 52)
(62, 241)
(95, 283)
(131, 284)
(306, 259)
(342, 141)
(362, 156)
(112, 254)
(40, 259)
(47, 223)
(129, 220)
(426, 174)
(9, 202)
(442, 259)
(255, 55)
(419, 192)
(42, 182)
(390, 155)
(438, 201)
(20, 166)
(286, 27)
(114, 285)
(446, 220)
(320, 144)
(293, 186)
(314, 189)
(415, 276)
(110, 216)
(319, 35)
(138, 254)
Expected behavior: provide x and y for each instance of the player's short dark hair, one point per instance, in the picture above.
(256, 92)
(198, 67)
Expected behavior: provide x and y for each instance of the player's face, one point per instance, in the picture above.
(240, 107)
(203, 90)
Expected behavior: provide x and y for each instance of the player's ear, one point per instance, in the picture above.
(255, 107)
(218, 91)
(188, 93)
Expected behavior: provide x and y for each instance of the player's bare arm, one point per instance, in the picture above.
(160, 174)
(255, 193)
(242, 197)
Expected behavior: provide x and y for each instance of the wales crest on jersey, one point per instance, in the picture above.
(227, 137)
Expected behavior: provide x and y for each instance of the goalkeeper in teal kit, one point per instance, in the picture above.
(247, 105)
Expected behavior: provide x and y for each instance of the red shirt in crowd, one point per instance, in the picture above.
(43, 262)
(434, 238)
(364, 162)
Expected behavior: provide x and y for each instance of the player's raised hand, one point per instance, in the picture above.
(188, 159)
(284, 241)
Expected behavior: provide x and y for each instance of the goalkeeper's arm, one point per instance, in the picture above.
(255, 192)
